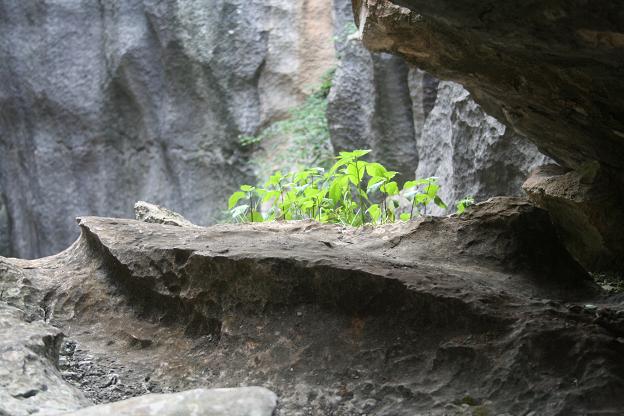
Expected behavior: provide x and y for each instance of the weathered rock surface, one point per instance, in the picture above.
(29, 380)
(245, 401)
(420, 126)
(145, 99)
(441, 316)
(471, 152)
(588, 212)
(370, 108)
(144, 211)
(105, 103)
(552, 71)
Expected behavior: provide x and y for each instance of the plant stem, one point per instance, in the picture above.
(357, 187)
(251, 207)
(282, 198)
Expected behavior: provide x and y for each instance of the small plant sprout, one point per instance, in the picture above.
(248, 211)
(464, 203)
(352, 192)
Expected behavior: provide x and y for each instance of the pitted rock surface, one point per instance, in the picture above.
(244, 401)
(441, 316)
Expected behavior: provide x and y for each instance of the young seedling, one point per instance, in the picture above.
(337, 196)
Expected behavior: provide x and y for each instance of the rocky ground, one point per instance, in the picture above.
(480, 314)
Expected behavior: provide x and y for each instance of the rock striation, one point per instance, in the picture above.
(485, 313)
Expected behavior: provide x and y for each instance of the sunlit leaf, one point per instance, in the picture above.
(236, 196)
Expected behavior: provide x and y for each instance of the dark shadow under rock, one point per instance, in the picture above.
(441, 316)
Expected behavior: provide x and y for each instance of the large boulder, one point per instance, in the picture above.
(484, 313)
(549, 70)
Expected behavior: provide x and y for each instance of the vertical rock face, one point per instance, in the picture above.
(415, 123)
(366, 86)
(471, 152)
(5, 232)
(104, 103)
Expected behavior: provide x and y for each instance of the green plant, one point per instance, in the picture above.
(464, 203)
(337, 195)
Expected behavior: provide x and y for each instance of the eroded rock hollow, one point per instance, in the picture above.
(443, 316)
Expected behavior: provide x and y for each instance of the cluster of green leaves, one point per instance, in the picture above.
(352, 192)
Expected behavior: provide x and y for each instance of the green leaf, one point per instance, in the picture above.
(247, 188)
(464, 203)
(374, 184)
(376, 170)
(422, 199)
(391, 188)
(256, 217)
(374, 211)
(270, 194)
(438, 201)
(236, 196)
(360, 153)
(274, 180)
(409, 184)
(337, 188)
(356, 172)
(405, 216)
(432, 190)
(239, 211)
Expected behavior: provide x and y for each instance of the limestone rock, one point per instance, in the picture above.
(484, 312)
(144, 211)
(370, 108)
(470, 152)
(420, 126)
(244, 401)
(551, 71)
(29, 380)
(105, 103)
(587, 210)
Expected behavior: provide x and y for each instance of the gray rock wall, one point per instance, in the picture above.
(416, 124)
(471, 152)
(106, 103)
